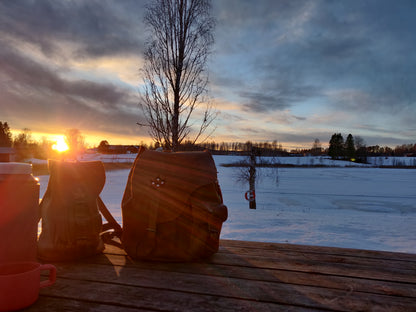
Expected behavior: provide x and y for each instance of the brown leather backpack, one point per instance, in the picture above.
(172, 207)
(71, 221)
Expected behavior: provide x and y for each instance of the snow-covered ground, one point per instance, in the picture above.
(366, 208)
(295, 160)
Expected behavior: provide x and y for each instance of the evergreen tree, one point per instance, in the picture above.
(5, 135)
(103, 147)
(336, 146)
(350, 147)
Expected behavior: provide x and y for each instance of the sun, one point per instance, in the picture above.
(60, 145)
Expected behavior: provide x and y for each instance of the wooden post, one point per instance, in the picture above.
(252, 177)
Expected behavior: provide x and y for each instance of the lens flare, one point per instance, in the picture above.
(60, 145)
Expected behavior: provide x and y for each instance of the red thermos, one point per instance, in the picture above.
(19, 212)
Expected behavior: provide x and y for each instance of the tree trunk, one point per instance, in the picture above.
(252, 179)
(175, 124)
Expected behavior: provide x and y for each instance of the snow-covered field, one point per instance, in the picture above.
(366, 208)
(295, 160)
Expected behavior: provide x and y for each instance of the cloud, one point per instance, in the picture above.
(310, 47)
(31, 74)
(32, 90)
(277, 93)
(97, 28)
(279, 67)
(260, 102)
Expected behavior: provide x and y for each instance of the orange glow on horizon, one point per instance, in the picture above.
(93, 139)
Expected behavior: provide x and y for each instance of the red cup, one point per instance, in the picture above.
(20, 283)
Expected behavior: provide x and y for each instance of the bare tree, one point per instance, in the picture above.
(174, 72)
(75, 141)
(316, 148)
(23, 144)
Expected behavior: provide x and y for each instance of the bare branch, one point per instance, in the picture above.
(174, 73)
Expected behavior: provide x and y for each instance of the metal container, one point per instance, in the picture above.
(19, 212)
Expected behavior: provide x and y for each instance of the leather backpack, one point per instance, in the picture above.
(172, 207)
(71, 221)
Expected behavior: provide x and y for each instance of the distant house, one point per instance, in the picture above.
(7, 154)
(122, 149)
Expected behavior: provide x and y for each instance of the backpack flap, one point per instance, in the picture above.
(168, 179)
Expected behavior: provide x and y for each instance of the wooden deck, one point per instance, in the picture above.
(243, 276)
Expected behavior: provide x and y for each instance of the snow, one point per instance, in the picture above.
(339, 207)
(360, 207)
(295, 160)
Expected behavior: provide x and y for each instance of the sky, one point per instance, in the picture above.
(290, 71)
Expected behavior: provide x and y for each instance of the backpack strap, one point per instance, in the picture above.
(150, 241)
(153, 210)
(111, 222)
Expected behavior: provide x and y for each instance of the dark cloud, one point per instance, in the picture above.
(259, 16)
(39, 95)
(19, 70)
(98, 27)
(336, 49)
(276, 93)
(56, 113)
(260, 102)
(360, 45)
(31, 90)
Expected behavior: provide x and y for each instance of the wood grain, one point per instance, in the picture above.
(242, 276)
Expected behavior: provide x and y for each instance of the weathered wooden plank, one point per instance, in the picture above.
(253, 273)
(327, 258)
(173, 292)
(243, 276)
(155, 299)
(288, 277)
(235, 288)
(50, 304)
(320, 250)
(302, 265)
(327, 254)
(303, 262)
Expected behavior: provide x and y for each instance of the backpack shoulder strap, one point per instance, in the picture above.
(111, 222)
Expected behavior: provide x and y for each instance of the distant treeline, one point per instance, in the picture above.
(348, 149)
(341, 149)
(352, 148)
(238, 148)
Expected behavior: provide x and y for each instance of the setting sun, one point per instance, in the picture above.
(60, 145)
